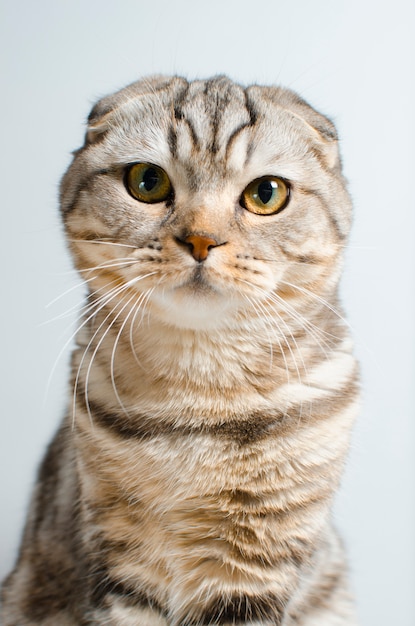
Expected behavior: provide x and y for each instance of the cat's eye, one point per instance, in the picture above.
(266, 196)
(148, 183)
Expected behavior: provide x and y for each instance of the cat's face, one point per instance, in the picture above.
(200, 197)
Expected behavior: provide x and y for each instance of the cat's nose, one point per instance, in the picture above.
(199, 245)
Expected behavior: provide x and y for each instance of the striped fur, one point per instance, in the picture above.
(212, 399)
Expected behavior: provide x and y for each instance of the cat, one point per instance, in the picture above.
(213, 385)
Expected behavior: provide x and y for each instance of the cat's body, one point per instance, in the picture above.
(213, 386)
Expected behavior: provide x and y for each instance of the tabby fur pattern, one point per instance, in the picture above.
(213, 385)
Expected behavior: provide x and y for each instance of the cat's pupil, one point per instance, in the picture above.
(266, 190)
(150, 179)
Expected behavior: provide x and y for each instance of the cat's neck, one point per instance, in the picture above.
(153, 367)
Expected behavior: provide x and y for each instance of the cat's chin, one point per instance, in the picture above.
(197, 309)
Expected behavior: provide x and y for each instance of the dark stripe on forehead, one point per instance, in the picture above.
(250, 107)
(218, 93)
(179, 98)
(215, 147)
(179, 117)
(173, 131)
(172, 140)
(253, 117)
(233, 136)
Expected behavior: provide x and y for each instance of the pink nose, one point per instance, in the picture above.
(200, 245)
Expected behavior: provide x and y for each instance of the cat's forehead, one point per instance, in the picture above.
(210, 127)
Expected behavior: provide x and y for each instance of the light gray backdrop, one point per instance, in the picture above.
(354, 60)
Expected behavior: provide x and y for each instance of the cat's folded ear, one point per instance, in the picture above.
(320, 128)
(97, 125)
(102, 114)
(321, 124)
(99, 119)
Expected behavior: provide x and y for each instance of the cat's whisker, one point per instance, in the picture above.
(97, 347)
(114, 293)
(120, 263)
(265, 293)
(274, 323)
(299, 351)
(93, 302)
(321, 300)
(82, 309)
(103, 242)
(305, 324)
(114, 349)
(323, 339)
(79, 285)
(105, 265)
(351, 246)
(254, 305)
(83, 270)
(141, 305)
(294, 314)
(293, 339)
(68, 313)
(97, 305)
(85, 308)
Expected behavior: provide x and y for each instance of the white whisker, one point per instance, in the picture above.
(141, 303)
(274, 322)
(103, 242)
(98, 305)
(65, 293)
(105, 265)
(122, 262)
(114, 349)
(254, 305)
(144, 298)
(95, 307)
(84, 309)
(305, 324)
(89, 368)
(319, 299)
(115, 293)
(108, 262)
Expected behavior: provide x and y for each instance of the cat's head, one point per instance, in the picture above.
(204, 198)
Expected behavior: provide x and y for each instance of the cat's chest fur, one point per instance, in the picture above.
(203, 452)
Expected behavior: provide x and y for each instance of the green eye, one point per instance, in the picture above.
(148, 183)
(266, 195)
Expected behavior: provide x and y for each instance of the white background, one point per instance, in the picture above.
(354, 60)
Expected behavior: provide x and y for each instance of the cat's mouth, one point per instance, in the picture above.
(194, 303)
(198, 282)
(199, 279)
